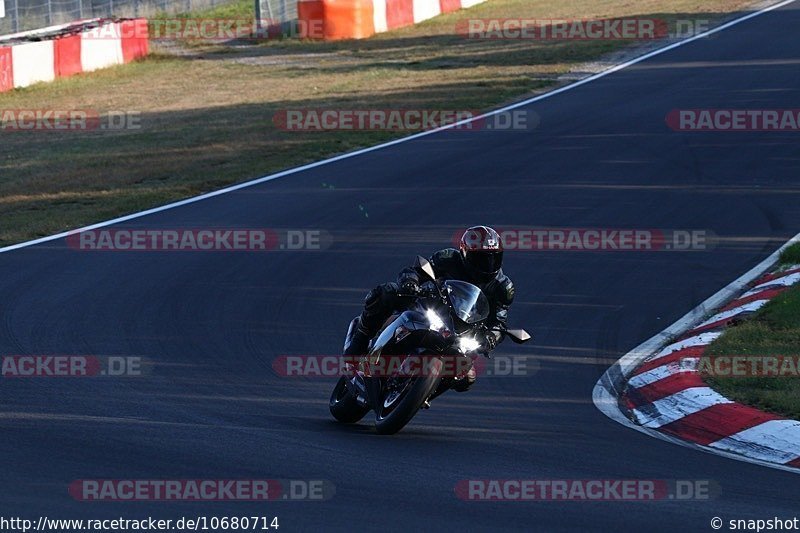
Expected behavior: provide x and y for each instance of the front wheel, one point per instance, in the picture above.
(343, 406)
(404, 398)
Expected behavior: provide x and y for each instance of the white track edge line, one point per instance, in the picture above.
(608, 404)
(368, 149)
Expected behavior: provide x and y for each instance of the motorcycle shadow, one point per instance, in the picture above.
(367, 429)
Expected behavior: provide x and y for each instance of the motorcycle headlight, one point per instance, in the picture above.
(435, 322)
(468, 344)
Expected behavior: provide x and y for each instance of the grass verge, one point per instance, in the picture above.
(774, 331)
(205, 110)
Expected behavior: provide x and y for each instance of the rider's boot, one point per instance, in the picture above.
(363, 328)
(358, 342)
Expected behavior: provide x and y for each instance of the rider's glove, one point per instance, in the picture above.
(409, 286)
(491, 341)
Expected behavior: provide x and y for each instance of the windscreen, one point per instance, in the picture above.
(469, 303)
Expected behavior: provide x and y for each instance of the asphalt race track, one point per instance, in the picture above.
(212, 323)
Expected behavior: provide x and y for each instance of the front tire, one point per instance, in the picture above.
(393, 417)
(343, 406)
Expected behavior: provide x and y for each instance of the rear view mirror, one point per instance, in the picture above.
(424, 265)
(518, 335)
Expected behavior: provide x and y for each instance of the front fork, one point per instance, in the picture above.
(447, 382)
(366, 390)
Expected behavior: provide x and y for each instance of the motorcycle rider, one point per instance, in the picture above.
(478, 261)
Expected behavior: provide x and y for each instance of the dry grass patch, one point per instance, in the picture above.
(207, 114)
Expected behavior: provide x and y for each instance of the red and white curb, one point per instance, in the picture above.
(23, 63)
(656, 388)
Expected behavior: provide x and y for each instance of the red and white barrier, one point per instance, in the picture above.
(6, 70)
(356, 19)
(114, 43)
(392, 14)
(33, 62)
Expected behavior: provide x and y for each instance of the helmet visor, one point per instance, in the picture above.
(486, 262)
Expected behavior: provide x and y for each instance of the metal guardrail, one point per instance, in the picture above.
(25, 15)
(277, 14)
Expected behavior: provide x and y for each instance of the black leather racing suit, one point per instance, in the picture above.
(383, 300)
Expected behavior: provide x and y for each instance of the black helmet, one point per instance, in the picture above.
(482, 251)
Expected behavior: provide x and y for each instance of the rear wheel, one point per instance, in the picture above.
(343, 406)
(404, 397)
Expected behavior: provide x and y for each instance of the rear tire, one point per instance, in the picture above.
(419, 391)
(343, 406)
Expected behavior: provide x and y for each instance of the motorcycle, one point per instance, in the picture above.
(439, 329)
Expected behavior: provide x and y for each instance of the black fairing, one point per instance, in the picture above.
(419, 340)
